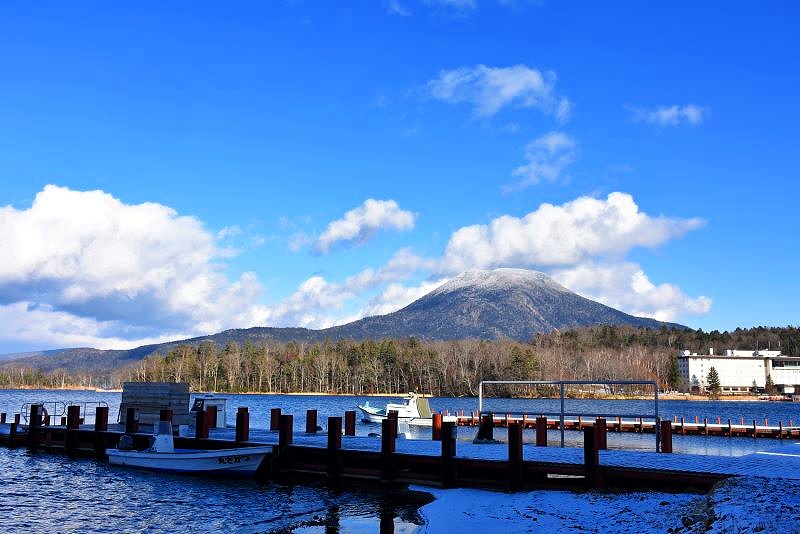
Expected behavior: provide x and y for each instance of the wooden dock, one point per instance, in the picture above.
(335, 457)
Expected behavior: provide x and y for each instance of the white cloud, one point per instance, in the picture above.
(670, 115)
(626, 287)
(489, 89)
(360, 224)
(136, 271)
(394, 7)
(547, 157)
(397, 296)
(561, 235)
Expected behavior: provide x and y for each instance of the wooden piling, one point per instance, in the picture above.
(311, 421)
(514, 456)
(436, 427)
(780, 429)
(2, 418)
(730, 428)
(705, 426)
(601, 433)
(274, 418)
(211, 416)
(392, 416)
(448, 453)
(541, 431)
(34, 423)
(350, 423)
(242, 424)
(164, 414)
(486, 429)
(101, 419)
(200, 425)
(132, 421)
(683, 427)
(591, 459)
(665, 432)
(285, 431)
(334, 444)
(387, 449)
(12, 432)
(755, 429)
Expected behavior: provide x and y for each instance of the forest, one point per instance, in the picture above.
(442, 368)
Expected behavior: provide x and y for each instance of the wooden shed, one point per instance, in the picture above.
(149, 398)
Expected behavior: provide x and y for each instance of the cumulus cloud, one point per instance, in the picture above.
(547, 157)
(625, 286)
(561, 235)
(132, 270)
(670, 115)
(397, 296)
(362, 223)
(489, 89)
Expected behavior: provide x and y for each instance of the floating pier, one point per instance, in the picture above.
(337, 454)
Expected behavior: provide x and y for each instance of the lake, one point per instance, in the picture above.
(46, 493)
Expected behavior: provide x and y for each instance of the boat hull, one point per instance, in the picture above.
(242, 461)
(376, 416)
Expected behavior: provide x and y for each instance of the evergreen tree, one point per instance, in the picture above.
(674, 375)
(714, 386)
(769, 387)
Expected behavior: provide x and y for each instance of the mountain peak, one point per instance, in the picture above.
(499, 279)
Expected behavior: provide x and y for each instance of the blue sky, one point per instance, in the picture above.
(171, 171)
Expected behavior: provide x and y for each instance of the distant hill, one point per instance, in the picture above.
(502, 303)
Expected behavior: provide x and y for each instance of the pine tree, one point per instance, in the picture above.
(674, 376)
(769, 387)
(714, 386)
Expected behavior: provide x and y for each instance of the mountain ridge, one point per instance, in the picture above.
(501, 303)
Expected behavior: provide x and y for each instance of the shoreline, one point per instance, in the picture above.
(661, 397)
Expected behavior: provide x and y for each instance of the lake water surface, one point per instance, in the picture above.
(51, 493)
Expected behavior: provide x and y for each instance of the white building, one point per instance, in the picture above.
(740, 371)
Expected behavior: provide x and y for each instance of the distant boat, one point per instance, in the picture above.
(162, 456)
(415, 411)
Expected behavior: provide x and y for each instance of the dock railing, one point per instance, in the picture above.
(562, 413)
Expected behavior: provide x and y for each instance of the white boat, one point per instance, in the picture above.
(163, 456)
(415, 411)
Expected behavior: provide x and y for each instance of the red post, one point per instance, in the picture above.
(311, 421)
(242, 424)
(541, 431)
(436, 426)
(601, 433)
(334, 444)
(200, 425)
(285, 431)
(101, 419)
(591, 459)
(448, 453)
(514, 456)
(666, 436)
(275, 419)
(73, 417)
(211, 416)
(163, 415)
(392, 416)
(387, 449)
(131, 421)
(350, 423)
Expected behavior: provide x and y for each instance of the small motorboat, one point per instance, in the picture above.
(415, 411)
(163, 456)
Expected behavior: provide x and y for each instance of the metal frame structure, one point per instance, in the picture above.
(562, 413)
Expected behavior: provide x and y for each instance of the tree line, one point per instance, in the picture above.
(443, 368)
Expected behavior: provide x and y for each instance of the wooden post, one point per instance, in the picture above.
(334, 444)
(285, 431)
(392, 416)
(2, 418)
(705, 426)
(311, 421)
(780, 429)
(242, 424)
(448, 453)
(211, 416)
(666, 436)
(755, 430)
(730, 429)
(541, 431)
(131, 421)
(163, 415)
(387, 449)
(34, 423)
(73, 417)
(200, 425)
(514, 456)
(486, 430)
(12, 432)
(275, 419)
(436, 427)
(101, 419)
(591, 459)
(619, 423)
(601, 433)
(350, 423)
(683, 427)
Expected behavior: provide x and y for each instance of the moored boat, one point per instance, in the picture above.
(163, 456)
(414, 411)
